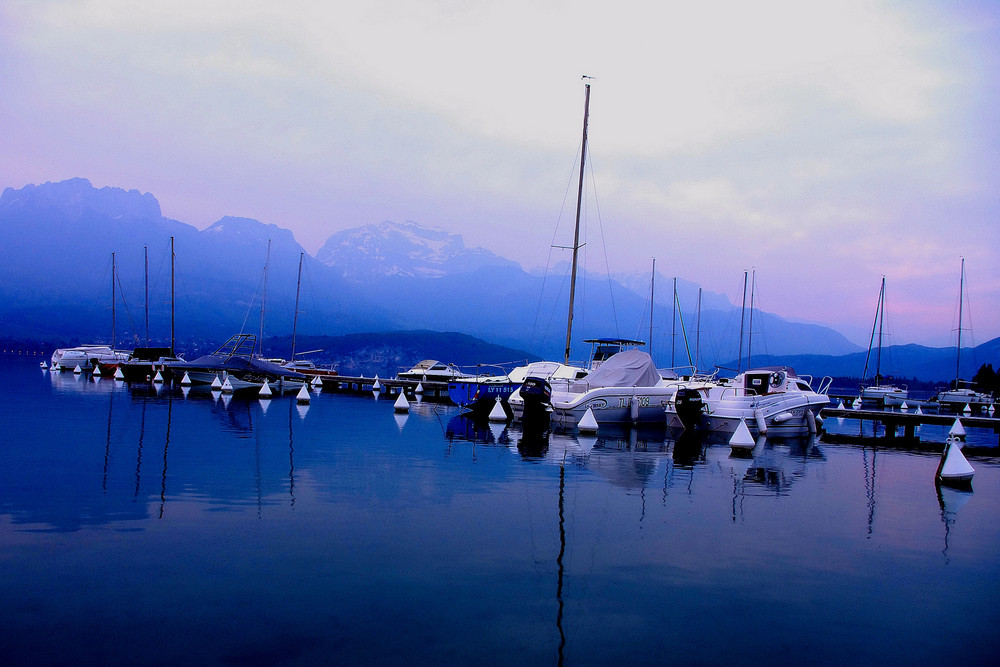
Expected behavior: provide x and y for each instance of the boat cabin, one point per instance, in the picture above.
(603, 348)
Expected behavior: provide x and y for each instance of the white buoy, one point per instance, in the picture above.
(265, 391)
(990, 410)
(303, 396)
(77, 370)
(498, 414)
(904, 407)
(919, 411)
(588, 424)
(954, 467)
(227, 386)
(97, 371)
(186, 380)
(317, 382)
(840, 406)
(158, 378)
(217, 383)
(419, 389)
(401, 404)
(43, 365)
(377, 385)
(857, 403)
(957, 429)
(967, 411)
(742, 439)
(119, 374)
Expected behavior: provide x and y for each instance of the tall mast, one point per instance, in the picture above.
(743, 312)
(263, 300)
(113, 272)
(576, 233)
(673, 329)
(753, 284)
(881, 321)
(172, 296)
(958, 351)
(652, 287)
(145, 282)
(697, 336)
(295, 318)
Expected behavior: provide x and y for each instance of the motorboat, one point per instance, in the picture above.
(884, 395)
(957, 399)
(235, 363)
(308, 368)
(432, 370)
(771, 400)
(86, 357)
(480, 392)
(625, 388)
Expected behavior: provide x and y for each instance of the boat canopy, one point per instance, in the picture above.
(631, 368)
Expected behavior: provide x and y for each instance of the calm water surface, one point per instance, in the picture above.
(139, 527)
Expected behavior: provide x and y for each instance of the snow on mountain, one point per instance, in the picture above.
(391, 249)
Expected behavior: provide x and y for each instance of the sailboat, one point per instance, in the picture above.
(879, 393)
(958, 397)
(90, 357)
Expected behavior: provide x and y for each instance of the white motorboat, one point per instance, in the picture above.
(772, 401)
(625, 388)
(432, 370)
(85, 356)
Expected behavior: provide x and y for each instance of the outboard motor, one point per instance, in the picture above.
(536, 393)
(689, 406)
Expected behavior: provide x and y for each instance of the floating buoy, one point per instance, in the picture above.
(990, 410)
(119, 374)
(97, 371)
(741, 439)
(919, 411)
(227, 386)
(498, 414)
(265, 391)
(377, 385)
(401, 404)
(419, 389)
(317, 382)
(43, 365)
(158, 378)
(857, 403)
(303, 396)
(954, 467)
(217, 383)
(904, 407)
(967, 410)
(588, 424)
(957, 429)
(840, 406)
(186, 380)
(77, 370)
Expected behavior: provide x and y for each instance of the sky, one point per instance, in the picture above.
(820, 145)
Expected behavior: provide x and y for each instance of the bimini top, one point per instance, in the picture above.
(631, 368)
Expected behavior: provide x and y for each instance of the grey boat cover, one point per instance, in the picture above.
(631, 368)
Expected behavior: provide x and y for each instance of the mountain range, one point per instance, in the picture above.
(57, 240)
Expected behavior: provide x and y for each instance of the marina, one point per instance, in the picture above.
(140, 523)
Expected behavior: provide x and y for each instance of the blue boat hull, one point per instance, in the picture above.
(480, 396)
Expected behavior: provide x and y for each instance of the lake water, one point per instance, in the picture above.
(139, 527)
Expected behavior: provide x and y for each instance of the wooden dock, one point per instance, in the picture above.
(343, 384)
(909, 421)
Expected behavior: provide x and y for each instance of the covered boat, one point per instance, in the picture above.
(236, 362)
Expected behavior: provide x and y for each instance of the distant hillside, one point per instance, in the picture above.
(907, 361)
